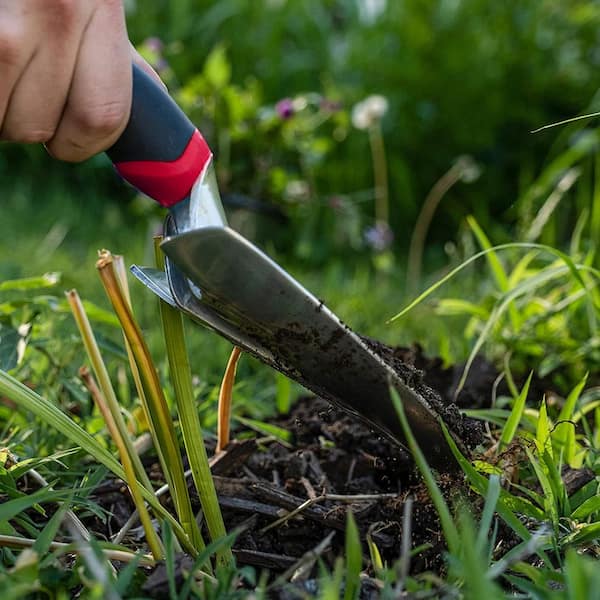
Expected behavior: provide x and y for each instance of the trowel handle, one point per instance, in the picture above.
(160, 152)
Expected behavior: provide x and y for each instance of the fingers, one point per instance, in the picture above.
(39, 94)
(99, 98)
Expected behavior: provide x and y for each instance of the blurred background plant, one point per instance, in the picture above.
(273, 85)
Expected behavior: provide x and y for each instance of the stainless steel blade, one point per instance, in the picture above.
(277, 319)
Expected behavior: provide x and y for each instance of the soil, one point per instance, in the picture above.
(334, 465)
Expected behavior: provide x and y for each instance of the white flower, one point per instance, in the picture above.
(370, 10)
(369, 111)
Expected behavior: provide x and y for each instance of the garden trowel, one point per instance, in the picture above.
(223, 281)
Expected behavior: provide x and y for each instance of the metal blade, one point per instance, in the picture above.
(156, 280)
(269, 310)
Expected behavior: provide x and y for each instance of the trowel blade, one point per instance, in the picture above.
(264, 304)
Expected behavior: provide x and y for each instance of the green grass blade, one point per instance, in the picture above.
(157, 410)
(353, 558)
(48, 533)
(448, 526)
(510, 429)
(542, 432)
(481, 483)
(11, 508)
(489, 508)
(573, 268)
(193, 439)
(28, 400)
(283, 395)
(564, 435)
(550, 499)
(492, 257)
(586, 508)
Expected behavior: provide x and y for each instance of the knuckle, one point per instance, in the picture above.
(102, 120)
(10, 46)
(64, 9)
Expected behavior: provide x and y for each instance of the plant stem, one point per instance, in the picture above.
(127, 462)
(28, 400)
(181, 377)
(380, 174)
(114, 416)
(157, 409)
(417, 240)
(225, 392)
(14, 541)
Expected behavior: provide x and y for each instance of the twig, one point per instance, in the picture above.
(128, 459)
(220, 464)
(334, 497)
(417, 241)
(304, 563)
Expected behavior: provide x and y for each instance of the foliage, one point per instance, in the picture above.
(309, 178)
(460, 78)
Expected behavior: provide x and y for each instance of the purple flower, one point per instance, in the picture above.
(379, 237)
(285, 108)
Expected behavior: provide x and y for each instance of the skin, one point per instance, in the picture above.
(65, 74)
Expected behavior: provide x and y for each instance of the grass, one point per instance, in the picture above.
(530, 304)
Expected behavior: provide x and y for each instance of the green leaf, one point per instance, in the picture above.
(585, 509)
(217, 69)
(279, 433)
(458, 306)
(28, 400)
(542, 432)
(283, 396)
(550, 499)
(564, 435)
(47, 535)
(448, 526)
(11, 508)
(584, 533)
(492, 257)
(480, 484)
(30, 283)
(9, 340)
(509, 430)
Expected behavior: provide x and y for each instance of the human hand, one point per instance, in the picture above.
(65, 74)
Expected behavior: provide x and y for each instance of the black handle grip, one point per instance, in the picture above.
(158, 130)
(160, 151)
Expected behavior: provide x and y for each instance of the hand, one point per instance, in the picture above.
(65, 74)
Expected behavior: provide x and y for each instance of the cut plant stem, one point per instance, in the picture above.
(127, 462)
(160, 420)
(27, 400)
(113, 415)
(181, 378)
(225, 399)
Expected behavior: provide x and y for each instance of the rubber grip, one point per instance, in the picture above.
(160, 151)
